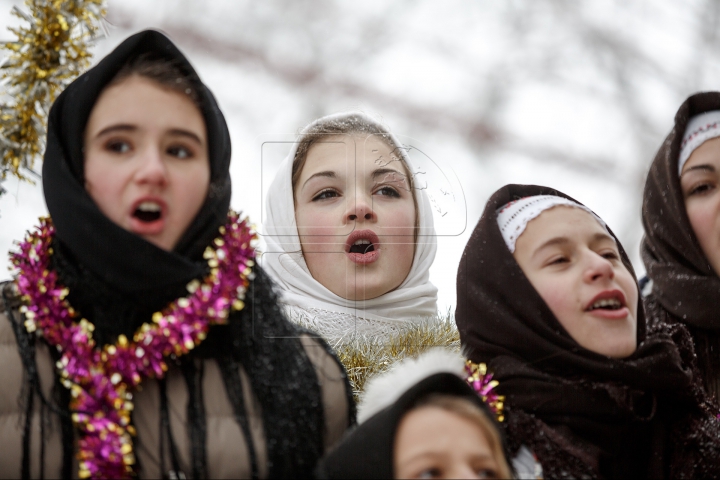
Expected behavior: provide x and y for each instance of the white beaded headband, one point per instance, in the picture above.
(514, 216)
(699, 130)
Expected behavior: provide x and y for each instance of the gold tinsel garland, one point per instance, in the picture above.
(365, 357)
(50, 51)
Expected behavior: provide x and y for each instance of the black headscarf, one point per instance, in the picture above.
(120, 258)
(117, 280)
(609, 403)
(686, 288)
(369, 450)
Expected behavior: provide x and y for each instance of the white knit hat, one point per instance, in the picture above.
(514, 216)
(700, 129)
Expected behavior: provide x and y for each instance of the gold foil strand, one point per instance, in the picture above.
(50, 50)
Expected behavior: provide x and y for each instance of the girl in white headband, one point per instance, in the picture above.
(681, 217)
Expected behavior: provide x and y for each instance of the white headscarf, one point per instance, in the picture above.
(330, 314)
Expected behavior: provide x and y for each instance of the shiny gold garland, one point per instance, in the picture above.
(50, 51)
(366, 357)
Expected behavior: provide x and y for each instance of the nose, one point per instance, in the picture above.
(151, 169)
(598, 268)
(360, 208)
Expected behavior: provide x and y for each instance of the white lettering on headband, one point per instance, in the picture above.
(514, 216)
(699, 130)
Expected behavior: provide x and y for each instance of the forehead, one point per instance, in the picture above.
(707, 153)
(352, 152)
(141, 101)
(560, 221)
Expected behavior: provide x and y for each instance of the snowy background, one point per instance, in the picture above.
(573, 95)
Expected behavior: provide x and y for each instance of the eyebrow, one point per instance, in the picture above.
(382, 171)
(564, 240)
(706, 167)
(179, 132)
(552, 242)
(122, 127)
(326, 173)
(331, 174)
(125, 127)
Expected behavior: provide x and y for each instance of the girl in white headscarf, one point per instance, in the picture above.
(350, 239)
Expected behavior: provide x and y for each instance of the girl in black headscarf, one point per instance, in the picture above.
(681, 217)
(142, 255)
(587, 388)
(422, 420)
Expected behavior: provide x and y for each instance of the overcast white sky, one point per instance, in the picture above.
(574, 95)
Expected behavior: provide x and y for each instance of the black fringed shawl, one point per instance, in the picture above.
(117, 280)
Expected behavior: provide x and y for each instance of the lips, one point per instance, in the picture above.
(608, 304)
(147, 216)
(362, 247)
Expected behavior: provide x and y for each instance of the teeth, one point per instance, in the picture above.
(606, 302)
(362, 242)
(149, 207)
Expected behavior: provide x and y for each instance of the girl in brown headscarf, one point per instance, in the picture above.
(547, 299)
(681, 217)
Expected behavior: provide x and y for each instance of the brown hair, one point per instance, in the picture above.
(164, 72)
(471, 412)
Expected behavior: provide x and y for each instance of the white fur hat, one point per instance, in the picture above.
(384, 390)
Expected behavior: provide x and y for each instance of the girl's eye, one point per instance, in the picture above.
(118, 146)
(388, 191)
(327, 193)
(178, 151)
(558, 261)
(429, 473)
(610, 255)
(487, 473)
(701, 189)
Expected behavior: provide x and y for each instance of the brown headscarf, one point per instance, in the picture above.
(685, 287)
(582, 413)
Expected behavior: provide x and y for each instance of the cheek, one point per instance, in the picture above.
(192, 182)
(105, 183)
(557, 299)
(701, 219)
(632, 295)
(557, 292)
(396, 219)
(317, 223)
(399, 224)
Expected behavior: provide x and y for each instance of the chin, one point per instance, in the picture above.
(622, 350)
(361, 292)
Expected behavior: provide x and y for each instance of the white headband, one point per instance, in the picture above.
(700, 129)
(514, 216)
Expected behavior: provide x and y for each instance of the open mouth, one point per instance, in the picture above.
(609, 304)
(608, 301)
(148, 212)
(362, 246)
